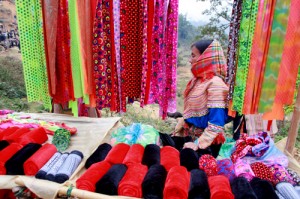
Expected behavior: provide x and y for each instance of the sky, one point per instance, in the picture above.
(194, 9)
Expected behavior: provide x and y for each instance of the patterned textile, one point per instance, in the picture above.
(261, 171)
(233, 45)
(274, 55)
(280, 174)
(226, 168)
(248, 22)
(208, 164)
(255, 145)
(33, 54)
(243, 169)
(213, 134)
(295, 176)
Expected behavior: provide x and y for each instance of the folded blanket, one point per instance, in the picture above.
(169, 157)
(3, 144)
(109, 183)
(17, 134)
(287, 190)
(226, 168)
(68, 167)
(177, 183)
(6, 154)
(261, 171)
(209, 165)
(54, 169)
(92, 175)
(41, 174)
(7, 132)
(179, 141)
(38, 136)
(219, 187)
(117, 154)
(199, 188)
(134, 155)
(98, 155)
(189, 159)
(242, 189)
(151, 155)
(263, 189)
(14, 166)
(131, 183)
(39, 159)
(154, 182)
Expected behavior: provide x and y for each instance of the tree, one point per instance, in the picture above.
(186, 31)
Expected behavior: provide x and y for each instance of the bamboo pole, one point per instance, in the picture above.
(293, 131)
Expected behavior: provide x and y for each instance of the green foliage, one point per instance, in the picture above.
(283, 132)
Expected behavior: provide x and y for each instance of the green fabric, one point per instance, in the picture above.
(61, 139)
(30, 26)
(246, 33)
(225, 151)
(279, 26)
(74, 106)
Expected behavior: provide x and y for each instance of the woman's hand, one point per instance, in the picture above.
(190, 145)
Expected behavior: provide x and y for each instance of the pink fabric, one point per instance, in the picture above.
(243, 169)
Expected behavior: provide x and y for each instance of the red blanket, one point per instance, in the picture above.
(134, 155)
(91, 176)
(220, 187)
(39, 159)
(37, 136)
(117, 154)
(177, 183)
(6, 154)
(131, 183)
(169, 157)
(7, 132)
(17, 134)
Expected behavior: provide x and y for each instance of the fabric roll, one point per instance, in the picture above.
(263, 189)
(41, 174)
(69, 166)
(297, 188)
(177, 183)
(39, 159)
(17, 134)
(154, 182)
(219, 187)
(209, 165)
(189, 159)
(7, 132)
(261, 171)
(54, 169)
(3, 144)
(199, 188)
(109, 183)
(117, 154)
(14, 166)
(38, 136)
(131, 183)
(134, 155)
(98, 155)
(151, 155)
(169, 157)
(243, 169)
(279, 195)
(241, 189)
(287, 190)
(92, 175)
(166, 140)
(6, 154)
(226, 168)
(61, 139)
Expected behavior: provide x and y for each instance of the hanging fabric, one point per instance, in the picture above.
(274, 56)
(232, 51)
(248, 22)
(33, 54)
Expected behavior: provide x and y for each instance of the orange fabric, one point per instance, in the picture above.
(276, 113)
(231, 112)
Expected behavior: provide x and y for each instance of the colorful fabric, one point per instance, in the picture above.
(136, 134)
(233, 45)
(134, 155)
(117, 154)
(41, 174)
(6, 154)
(226, 148)
(33, 54)
(34, 136)
(295, 176)
(274, 58)
(248, 22)
(55, 167)
(243, 169)
(169, 157)
(209, 165)
(226, 168)
(219, 187)
(61, 139)
(261, 171)
(287, 190)
(280, 174)
(213, 134)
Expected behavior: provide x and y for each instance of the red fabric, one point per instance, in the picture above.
(91, 176)
(220, 187)
(131, 183)
(17, 134)
(38, 136)
(262, 171)
(169, 157)
(117, 154)
(39, 159)
(209, 165)
(6, 154)
(7, 194)
(7, 132)
(93, 8)
(123, 52)
(134, 155)
(177, 183)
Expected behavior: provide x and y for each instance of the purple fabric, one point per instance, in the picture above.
(243, 169)
(226, 168)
